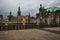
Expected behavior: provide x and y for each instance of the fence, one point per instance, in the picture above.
(17, 26)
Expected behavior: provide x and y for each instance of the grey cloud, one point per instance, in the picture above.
(56, 3)
(26, 5)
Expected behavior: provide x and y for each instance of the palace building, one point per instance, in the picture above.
(19, 18)
(45, 16)
(48, 16)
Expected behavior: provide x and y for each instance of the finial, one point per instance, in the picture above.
(40, 5)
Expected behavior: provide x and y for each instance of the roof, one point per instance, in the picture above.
(16, 17)
(51, 9)
(23, 16)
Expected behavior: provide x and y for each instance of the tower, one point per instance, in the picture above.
(40, 9)
(29, 18)
(19, 12)
(10, 16)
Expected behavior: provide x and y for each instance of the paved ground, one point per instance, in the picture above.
(31, 34)
(54, 28)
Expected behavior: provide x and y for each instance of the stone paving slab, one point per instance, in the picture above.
(28, 34)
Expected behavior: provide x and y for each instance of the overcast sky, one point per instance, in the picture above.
(26, 6)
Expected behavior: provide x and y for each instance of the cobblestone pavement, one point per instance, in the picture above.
(31, 34)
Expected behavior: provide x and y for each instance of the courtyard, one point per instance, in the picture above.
(31, 34)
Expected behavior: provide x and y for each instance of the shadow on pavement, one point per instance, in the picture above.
(53, 31)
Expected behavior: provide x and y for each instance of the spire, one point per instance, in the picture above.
(29, 13)
(19, 12)
(10, 14)
(29, 18)
(19, 8)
